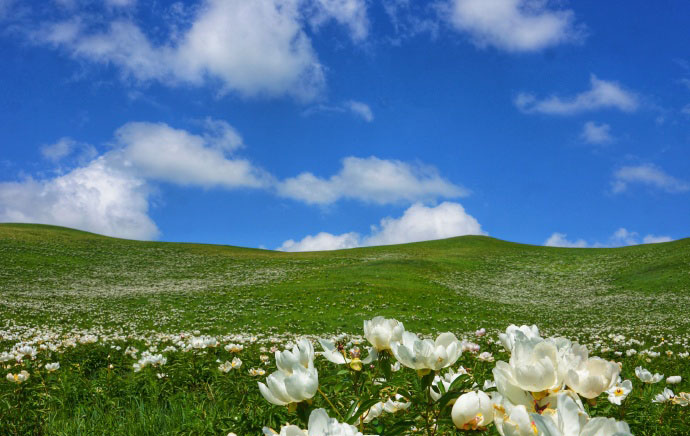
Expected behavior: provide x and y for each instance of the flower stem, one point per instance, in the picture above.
(329, 402)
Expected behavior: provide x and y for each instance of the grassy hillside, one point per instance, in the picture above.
(58, 275)
(99, 306)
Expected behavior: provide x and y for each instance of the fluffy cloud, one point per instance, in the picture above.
(602, 95)
(58, 150)
(157, 151)
(65, 147)
(410, 19)
(594, 133)
(322, 242)
(97, 198)
(647, 174)
(422, 223)
(418, 223)
(252, 48)
(372, 180)
(360, 109)
(110, 194)
(654, 239)
(560, 240)
(622, 236)
(619, 238)
(350, 13)
(514, 25)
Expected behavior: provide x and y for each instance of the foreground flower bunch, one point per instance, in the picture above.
(541, 390)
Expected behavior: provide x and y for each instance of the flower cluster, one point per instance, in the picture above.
(296, 379)
(539, 390)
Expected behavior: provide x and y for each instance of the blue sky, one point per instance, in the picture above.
(322, 124)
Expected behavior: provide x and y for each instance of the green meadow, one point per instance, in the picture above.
(59, 285)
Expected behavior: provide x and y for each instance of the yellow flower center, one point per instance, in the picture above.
(618, 392)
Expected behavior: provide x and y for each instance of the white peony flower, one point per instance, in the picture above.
(148, 359)
(332, 354)
(664, 397)
(50, 367)
(513, 420)
(447, 379)
(302, 354)
(534, 364)
(319, 425)
(508, 338)
(605, 427)
(682, 399)
(234, 348)
(619, 392)
(380, 332)
(392, 406)
(593, 376)
(472, 411)
(567, 419)
(486, 357)
(374, 412)
(673, 380)
(19, 377)
(647, 376)
(296, 379)
(424, 354)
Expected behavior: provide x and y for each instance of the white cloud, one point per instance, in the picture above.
(322, 242)
(372, 180)
(560, 240)
(159, 152)
(354, 107)
(96, 198)
(110, 194)
(360, 109)
(350, 13)
(621, 237)
(594, 133)
(647, 174)
(514, 25)
(654, 239)
(221, 135)
(251, 47)
(67, 146)
(624, 237)
(58, 150)
(418, 223)
(422, 223)
(410, 19)
(602, 95)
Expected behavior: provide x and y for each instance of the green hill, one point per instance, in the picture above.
(57, 275)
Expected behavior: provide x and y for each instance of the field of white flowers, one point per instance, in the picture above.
(105, 336)
(386, 381)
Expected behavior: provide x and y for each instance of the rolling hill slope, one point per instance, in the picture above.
(53, 275)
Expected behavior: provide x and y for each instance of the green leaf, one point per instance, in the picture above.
(365, 405)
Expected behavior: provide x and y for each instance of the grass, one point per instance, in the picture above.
(57, 282)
